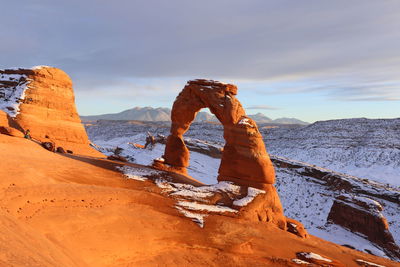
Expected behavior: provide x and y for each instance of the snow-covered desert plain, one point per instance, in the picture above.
(362, 153)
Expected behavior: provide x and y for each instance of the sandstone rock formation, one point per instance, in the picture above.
(42, 100)
(244, 159)
(363, 215)
(8, 126)
(244, 162)
(84, 213)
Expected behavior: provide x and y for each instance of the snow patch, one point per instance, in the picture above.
(197, 218)
(245, 121)
(369, 264)
(204, 207)
(200, 192)
(160, 159)
(166, 186)
(298, 261)
(315, 256)
(251, 194)
(12, 96)
(190, 197)
(137, 173)
(370, 202)
(40, 67)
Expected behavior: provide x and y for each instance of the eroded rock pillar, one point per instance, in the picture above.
(245, 160)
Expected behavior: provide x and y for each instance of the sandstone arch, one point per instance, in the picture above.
(245, 160)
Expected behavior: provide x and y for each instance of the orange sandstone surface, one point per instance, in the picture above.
(47, 107)
(80, 210)
(245, 160)
(69, 210)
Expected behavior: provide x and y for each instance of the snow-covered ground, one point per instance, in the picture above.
(201, 168)
(303, 197)
(305, 200)
(360, 147)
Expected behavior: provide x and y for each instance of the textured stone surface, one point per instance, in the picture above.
(244, 159)
(363, 215)
(8, 126)
(265, 207)
(47, 107)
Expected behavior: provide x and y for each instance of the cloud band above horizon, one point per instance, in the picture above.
(346, 51)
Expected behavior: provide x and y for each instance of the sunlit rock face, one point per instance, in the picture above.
(244, 159)
(363, 215)
(42, 100)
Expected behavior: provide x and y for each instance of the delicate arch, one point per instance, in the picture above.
(244, 159)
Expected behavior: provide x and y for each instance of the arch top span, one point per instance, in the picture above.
(245, 160)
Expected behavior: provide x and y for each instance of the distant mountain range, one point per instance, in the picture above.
(164, 114)
(261, 118)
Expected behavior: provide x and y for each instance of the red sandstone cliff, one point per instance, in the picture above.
(42, 100)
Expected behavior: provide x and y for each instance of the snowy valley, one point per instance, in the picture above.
(341, 149)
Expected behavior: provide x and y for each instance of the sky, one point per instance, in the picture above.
(308, 59)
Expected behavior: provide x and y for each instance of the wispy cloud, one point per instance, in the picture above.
(344, 51)
(262, 107)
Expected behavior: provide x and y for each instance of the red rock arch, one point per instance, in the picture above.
(245, 160)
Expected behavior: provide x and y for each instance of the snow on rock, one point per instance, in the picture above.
(204, 207)
(251, 194)
(368, 264)
(40, 67)
(297, 261)
(196, 217)
(363, 215)
(311, 255)
(306, 200)
(373, 204)
(245, 121)
(12, 92)
(201, 192)
(42, 100)
(206, 80)
(189, 196)
(137, 173)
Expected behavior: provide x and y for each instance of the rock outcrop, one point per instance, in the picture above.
(244, 159)
(8, 126)
(363, 215)
(83, 213)
(42, 100)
